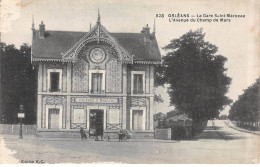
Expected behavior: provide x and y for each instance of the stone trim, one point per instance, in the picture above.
(73, 61)
(53, 60)
(147, 62)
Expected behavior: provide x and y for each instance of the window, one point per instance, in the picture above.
(138, 80)
(78, 116)
(54, 80)
(96, 82)
(113, 116)
(138, 83)
(54, 87)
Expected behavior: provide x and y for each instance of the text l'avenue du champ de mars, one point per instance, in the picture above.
(185, 17)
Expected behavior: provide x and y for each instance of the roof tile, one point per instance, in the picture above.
(57, 42)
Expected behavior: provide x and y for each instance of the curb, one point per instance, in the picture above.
(242, 130)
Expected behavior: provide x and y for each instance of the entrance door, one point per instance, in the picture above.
(137, 120)
(96, 122)
(53, 122)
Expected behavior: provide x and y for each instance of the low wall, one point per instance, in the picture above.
(164, 134)
(63, 133)
(74, 133)
(142, 135)
(12, 129)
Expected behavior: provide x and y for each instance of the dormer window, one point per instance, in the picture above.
(138, 82)
(54, 80)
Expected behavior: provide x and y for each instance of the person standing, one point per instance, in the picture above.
(120, 135)
(82, 134)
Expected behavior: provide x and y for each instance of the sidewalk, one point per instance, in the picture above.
(33, 137)
(234, 126)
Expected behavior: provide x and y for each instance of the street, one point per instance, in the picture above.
(217, 144)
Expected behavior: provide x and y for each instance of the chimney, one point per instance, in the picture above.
(154, 27)
(41, 30)
(146, 32)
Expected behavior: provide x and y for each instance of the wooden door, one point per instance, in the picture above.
(53, 118)
(137, 120)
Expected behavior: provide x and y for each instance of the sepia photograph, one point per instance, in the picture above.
(129, 82)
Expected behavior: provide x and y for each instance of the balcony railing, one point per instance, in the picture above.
(138, 92)
(54, 90)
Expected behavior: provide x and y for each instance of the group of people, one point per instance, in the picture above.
(122, 135)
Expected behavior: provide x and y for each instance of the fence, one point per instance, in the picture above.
(12, 129)
(248, 125)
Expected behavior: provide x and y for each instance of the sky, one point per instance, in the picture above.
(237, 40)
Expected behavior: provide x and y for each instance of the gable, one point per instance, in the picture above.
(97, 35)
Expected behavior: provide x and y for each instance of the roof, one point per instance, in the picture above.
(57, 42)
(179, 117)
(160, 115)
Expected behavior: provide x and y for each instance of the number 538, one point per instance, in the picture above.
(160, 15)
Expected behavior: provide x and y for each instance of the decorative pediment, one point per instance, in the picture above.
(97, 34)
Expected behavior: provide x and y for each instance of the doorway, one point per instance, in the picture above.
(137, 120)
(96, 122)
(53, 122)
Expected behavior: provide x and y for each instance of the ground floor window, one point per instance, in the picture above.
(78, 116)
(113, 116)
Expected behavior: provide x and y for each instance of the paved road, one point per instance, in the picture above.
(217, 144)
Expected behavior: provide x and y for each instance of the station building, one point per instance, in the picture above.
(96, 80)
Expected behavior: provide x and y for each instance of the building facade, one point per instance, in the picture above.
(96, 80)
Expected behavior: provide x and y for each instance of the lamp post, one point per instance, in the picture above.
(21, 116)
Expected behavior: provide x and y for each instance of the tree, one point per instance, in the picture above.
(196, 76)
(246, 108)
(18, 84)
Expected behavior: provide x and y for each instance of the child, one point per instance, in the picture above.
(82, 134)
(120, 135)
